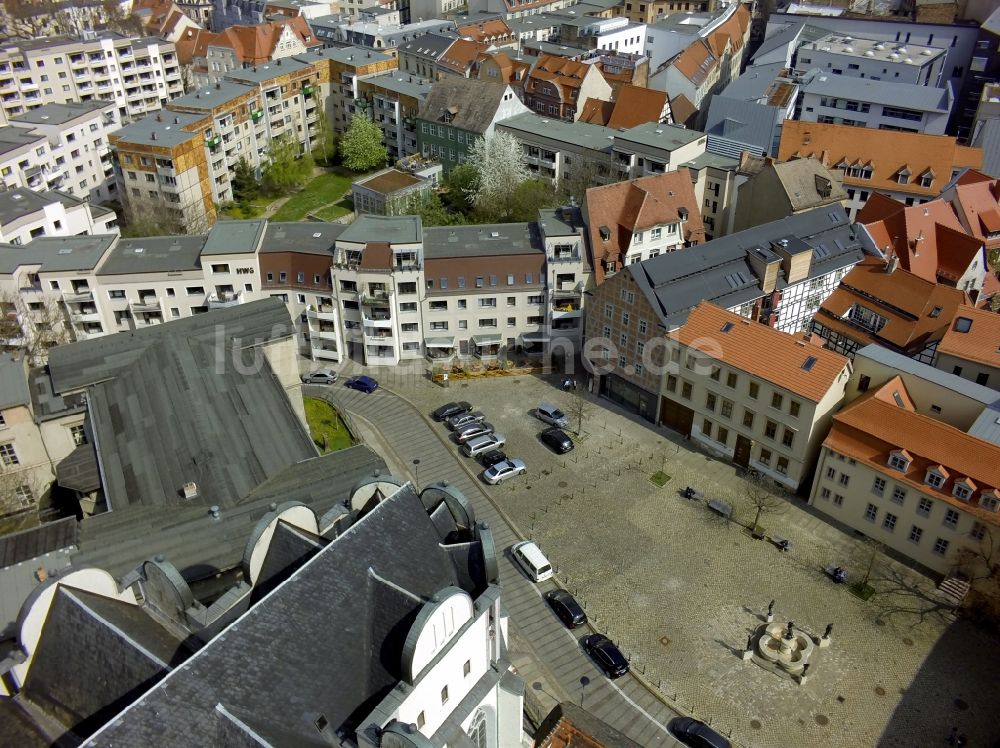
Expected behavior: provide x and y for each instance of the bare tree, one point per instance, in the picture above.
(869, 552)
(579, 411)
(33, 327)
(763, 495)
(979, 564)
(20, 491)
(145, 216)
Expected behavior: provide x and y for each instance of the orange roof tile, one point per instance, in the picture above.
(566, 74)
(695, 62)
(596, 112)
(976, 200)
(255, 44)
(487, 31)
(872, 427)
(682, 111)
(461, 55)
(974, 335)
(765, 353)
(633, 106)
(887, 151)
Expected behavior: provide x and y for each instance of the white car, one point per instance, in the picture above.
(503, 470)
(321, 376)
(532, 561)
(551, 415)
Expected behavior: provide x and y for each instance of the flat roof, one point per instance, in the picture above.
(558, 50)
(12, 138)
(154, 254)
(58, 114)
(163, 130)
(484, 240)
(210, 97)
(234, 237)
(400, 83)
(306, 237)
(54, 254)
(658, 135)
(20, 202)
(389, 181)
(355, 55)
(909, 95)
(261, 73)
(391, 229)
(898, 53)
(580, 134)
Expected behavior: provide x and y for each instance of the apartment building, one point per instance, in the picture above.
(27, 215)
(617, 34)
(26, 161)
(653, 10)
(80, 161)
(970, 347)
(854, 57)
(25, 469)
(345, 69)
(509, 9)
(908, 167)
(421, 55)
(924, 488)
(878, 302)
(137, 75)
(560, 88)
(876, 104)
(393, 101)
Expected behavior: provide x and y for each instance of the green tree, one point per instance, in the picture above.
(245, 184)
(361, 147)
(429, 207)
(529, 197)
(287, 168)
(325, 145)
(461, 184)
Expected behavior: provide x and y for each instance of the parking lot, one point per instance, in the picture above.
(680, 588)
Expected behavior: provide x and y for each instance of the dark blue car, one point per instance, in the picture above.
(362, 384)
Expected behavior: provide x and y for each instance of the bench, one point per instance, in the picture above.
(784, 544)
(721, 508)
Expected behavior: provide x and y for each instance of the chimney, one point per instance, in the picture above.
(892, 263)
(152, 136)
(190, 490)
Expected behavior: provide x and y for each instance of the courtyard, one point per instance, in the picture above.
(680, 587)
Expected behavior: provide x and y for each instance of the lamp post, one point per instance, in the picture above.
(416, 473)
(584, 682)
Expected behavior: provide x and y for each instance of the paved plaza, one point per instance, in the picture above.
(680, 588)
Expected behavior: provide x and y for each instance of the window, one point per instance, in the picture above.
(723, 436)
(941, 546)
(765, 457)
(924, 507)
(831, 473)
(961, 491)
(511, 301)
(727, 409)
(8, 456)
(871, 512)
(642, 327)
(489, 322)
(731, 379)
(716, 373)
(951, 518)
(467, 668)
(889, 523)
(782, 465)
(978, 531)
(625, 318)
(671, 383)
(934, 479)
(825, 493)
(623, 339)
(898, 462)
(622, 361)
(479, 281)
(754, 389)
(196, 290)
(915, 534)
(438, 326)
(898, 495)
(116, 293)
(489, 302)
(776, 399)
(607, 332)
(788, 436)
(444, 695)
(609, 311)
(24, 496)
(838, 499)
(878, 486)
(844, 479)
(748, 416)
(78, 434)
(770, 429)
(793, 408)
(710, 401)
(706, 427)
(512, 322)
(686, 390)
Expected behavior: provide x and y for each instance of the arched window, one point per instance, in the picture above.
(477, 732)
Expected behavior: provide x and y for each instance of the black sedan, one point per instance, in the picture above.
(557, 440)
(491, 458)
(567, 608)
(696, 734)
(607, 656)
(450, 409)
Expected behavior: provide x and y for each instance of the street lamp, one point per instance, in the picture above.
(584, 682)
(416, 473)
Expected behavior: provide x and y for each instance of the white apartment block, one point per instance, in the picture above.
(27, 215)
(137, 75)
(26, 161)
(899, 62)
(78, 146)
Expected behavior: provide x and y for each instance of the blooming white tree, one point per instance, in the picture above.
(499, 163)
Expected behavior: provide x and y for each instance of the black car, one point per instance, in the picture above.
(450, 409)
(696, 734)
(607, 656)
(567, 608)
(557, 440)
(491, 458)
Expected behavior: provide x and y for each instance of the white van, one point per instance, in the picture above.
(532, 561)
(479, 444)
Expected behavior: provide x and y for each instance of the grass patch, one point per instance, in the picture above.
(659, 479)
(243, 212)
(335, 211)
(863, 591)
(327, 428)
(321, 191)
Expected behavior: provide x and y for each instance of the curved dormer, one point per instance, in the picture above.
(437, 623)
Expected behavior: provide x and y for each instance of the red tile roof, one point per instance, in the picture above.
(974, 335)
(254, 44)
(976, 200)
(567, 75)
(633, 106)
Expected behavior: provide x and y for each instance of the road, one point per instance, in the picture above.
(559, 666)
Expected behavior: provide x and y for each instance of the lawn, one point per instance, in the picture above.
(335, 211)
(254, 208)
(321, 191)
(326, 426)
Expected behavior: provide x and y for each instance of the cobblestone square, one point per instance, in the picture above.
(680, 588)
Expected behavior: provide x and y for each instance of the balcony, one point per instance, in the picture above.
(376, 297)
(378, 321)
(307, 90)
(565, 309)
(440, 349)
(324, 351)
(378, 338)
(322, 312)
(256, 114)
(224, 299)
(213, 142)
(82, 296)
(564, 257)
(146, 305)
(325, 332)
(85, 313)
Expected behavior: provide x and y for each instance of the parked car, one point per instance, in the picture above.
(320, 376)
(450, 409)
(566, 607)
(607, 656)
(532, 561)
(491, 458)
(463, 419)
(696, 734)
(503, 470)
(551, 415)
(362, 384)
(481, 444)
(471, 431)
(557, 440)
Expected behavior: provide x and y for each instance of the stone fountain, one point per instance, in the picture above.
(784, 650)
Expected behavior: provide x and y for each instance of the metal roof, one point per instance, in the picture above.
(405, 85)
(391, 229)
(261, 73)
(483, 240)
(210, 97)
(13, 382)
(234, 237)
(154, 254)
(952, 382)
(20, 202)
(658, 135)
(13, 138)
(58, 114)
(888, 93)
(532, 128)
(309, 237)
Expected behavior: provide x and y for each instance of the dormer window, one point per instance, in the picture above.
(989, 501)
(936, 476)
(900, 460)
(927, 178)
(903, 176)
(963, 489)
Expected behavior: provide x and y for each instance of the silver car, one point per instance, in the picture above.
(321, 376)
(503, 470)
(471, 431)
(464, 419)
(552, 415)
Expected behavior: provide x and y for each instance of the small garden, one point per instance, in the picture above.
(326, 426)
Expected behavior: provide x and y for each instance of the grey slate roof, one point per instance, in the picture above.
(17, 728)
(743, 121)
(987, 137)
(28, 544)
(753, 84)
(13, 382)
(889, 93)
(87, 362)
(473, 103)
(529, 127)
(478, 241)
(226, 428)
(391, 229)
(234, 237)
(328, 641)
(355, 55)
(658, 135)
(309, 237)
(554, 48)
(154, 254)
(428, 46)
(57, 253)
(987, 425)
(675, 282)
(164, 130)
(59, 114)
(800, 33)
